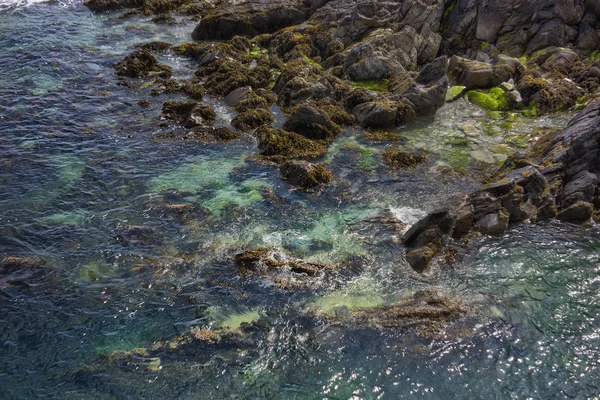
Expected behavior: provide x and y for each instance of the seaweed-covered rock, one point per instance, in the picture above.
(304, 174)
(189, 113)
(265, 259)
(312, 123)
(244, 98)
(204, 135)
(400, 159)
(279, 145)
(141, 64)
(252, 119)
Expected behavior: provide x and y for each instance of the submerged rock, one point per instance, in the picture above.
(23, 271)
(424, 310)
(283, 269)
(204, 135)
(137, 235)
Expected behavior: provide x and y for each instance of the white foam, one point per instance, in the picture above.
(408, 215)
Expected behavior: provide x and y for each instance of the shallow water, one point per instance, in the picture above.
(79, 162)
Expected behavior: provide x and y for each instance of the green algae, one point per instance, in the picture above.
(246, 194)
(332, 232)
(363, 292)
(516, 141)
(378, 86)
(494, 100)
(77, 218)
(70, 167)
(199, 175)
(233, 321)
(454, 92)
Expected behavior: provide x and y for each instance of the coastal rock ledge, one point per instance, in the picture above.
(558, 178)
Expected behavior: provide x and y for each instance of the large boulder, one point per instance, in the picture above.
(312, 123)
(250, 19)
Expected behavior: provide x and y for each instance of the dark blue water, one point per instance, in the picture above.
(81, 160)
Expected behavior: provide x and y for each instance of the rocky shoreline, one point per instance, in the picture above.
(385, 64)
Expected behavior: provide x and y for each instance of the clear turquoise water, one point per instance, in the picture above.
(79, 161)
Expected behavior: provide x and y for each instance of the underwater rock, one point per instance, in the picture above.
(424, 309)
(22, 271)
(182, 212)
(312, 123)
(141, 64)
(304, 174)
(137, 235)
(284, 270)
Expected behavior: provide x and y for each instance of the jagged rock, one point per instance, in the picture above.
(423, 95)
(516, 27)
(479, 75)
(304, 174)
(578, 212)
(385, 52)
(382, 114)
(312, 123)
(493, 224)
